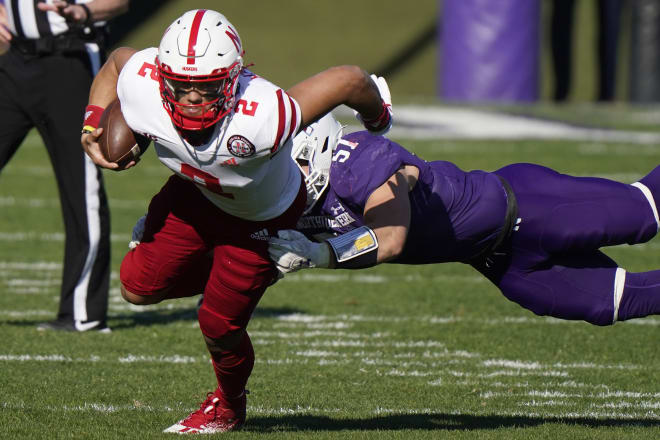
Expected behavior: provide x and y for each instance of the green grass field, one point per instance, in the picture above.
(391, 352)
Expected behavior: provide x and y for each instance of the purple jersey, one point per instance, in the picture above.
(550, 263)
(454, 214)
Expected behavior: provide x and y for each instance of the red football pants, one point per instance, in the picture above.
(181, 230)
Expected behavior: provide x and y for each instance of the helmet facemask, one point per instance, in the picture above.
(199, 51)
(217, 91)
(314, 147)
(317, 177)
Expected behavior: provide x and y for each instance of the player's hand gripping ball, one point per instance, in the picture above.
(119, 144)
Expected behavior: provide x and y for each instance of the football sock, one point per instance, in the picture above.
(233, 367)
(641, 295)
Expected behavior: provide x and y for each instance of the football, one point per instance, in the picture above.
(119, 144)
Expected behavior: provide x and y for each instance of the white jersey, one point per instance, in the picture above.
(245, 168)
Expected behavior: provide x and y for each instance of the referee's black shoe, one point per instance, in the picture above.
(74, 326)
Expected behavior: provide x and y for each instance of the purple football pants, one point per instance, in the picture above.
(553, 265)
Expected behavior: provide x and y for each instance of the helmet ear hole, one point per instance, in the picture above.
(325, 144)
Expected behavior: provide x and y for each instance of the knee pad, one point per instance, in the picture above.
(131, 277)
(212, 324)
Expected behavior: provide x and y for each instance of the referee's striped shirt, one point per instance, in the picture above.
(28, 22)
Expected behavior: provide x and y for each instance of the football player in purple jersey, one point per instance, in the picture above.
(533, 232)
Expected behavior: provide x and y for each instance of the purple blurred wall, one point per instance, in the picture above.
(489, 50)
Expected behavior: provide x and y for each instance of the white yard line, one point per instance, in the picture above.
(171, 359)
(316, 334)
(25, 313)
(516, 364)
(294, 319)
(36, 266)
(50, 236)
(54, 202)
(128, 359)
(20, 282)
(45, 358)
(30, 290)
(558, 394)
(596, 415)
(45, 171)
(606, 402)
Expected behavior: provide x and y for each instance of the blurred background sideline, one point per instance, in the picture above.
(290, 41)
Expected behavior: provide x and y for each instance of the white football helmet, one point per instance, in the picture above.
(313, 147)
(200, 50)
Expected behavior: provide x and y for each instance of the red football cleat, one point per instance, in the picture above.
(216, 414)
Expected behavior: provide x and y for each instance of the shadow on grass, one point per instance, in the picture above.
(149, 318)
(161, 317)
(127, 320)
(427, 422)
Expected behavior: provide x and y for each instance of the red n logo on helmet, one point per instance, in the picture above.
(231, 33)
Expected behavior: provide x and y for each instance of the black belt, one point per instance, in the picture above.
(510, 219)
(48, 45)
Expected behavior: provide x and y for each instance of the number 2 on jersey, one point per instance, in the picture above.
(153, 71)
(200, 177)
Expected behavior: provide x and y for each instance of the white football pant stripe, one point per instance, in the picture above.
(92, 204)
(649, 196)
(619, 284)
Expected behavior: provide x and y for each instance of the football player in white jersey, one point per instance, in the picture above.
(226, 134)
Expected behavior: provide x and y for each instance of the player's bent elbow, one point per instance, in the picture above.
(390, 249)
(350, 72)
(341, 81)
(353, 78)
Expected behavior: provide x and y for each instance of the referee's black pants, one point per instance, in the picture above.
(50, 93)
